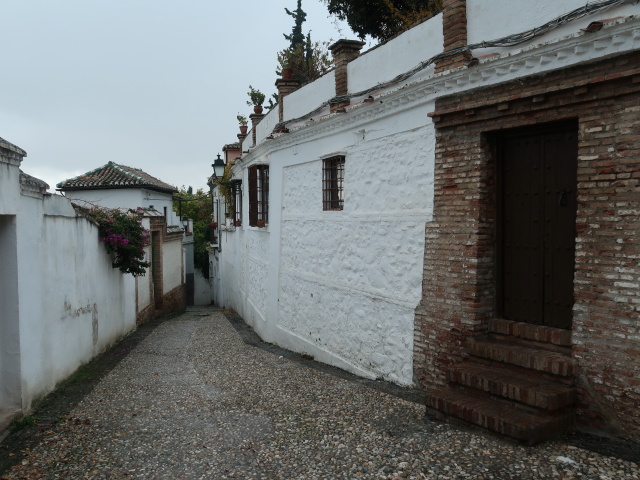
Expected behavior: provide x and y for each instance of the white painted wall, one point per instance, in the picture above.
(61, 302)
(341, 286)
(74, 304)
(171, 265)
(493, 19)
(309, 97)
(128, 198)
(10, 395)
(398, 56)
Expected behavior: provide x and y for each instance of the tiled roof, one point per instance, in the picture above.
(114, 175)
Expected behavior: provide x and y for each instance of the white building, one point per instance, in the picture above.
(367, 223)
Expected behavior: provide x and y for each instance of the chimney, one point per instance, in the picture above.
(454, 27)
(343, 52)
(285, 87)
(255, 120)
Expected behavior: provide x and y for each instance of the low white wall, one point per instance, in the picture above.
(309, 97)
(73, 303)
(171, 265)
(402, 54)
(266, 125)
(493, 19)
(143, 282)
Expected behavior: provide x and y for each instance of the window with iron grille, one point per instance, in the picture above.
(332, 183)
(258, 195)
(236, 198)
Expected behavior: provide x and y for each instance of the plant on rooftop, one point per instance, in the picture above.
(256, 97)
(123, 236)
(242, 120)
(303, 60)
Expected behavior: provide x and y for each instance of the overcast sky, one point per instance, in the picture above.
(153, 84)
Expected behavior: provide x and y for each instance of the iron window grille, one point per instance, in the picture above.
(258, 195)
(236, 198)
(333, 183)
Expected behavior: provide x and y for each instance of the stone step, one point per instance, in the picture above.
(498, 417)
(526, 357)
(526, 389)
(528, 331)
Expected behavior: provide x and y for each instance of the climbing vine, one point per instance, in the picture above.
(123, 236)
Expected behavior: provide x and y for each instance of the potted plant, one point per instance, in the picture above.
(242, 120)
(260, 223)
(238, 223)
(256, 98)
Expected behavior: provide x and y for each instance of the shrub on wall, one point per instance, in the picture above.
(124, 237)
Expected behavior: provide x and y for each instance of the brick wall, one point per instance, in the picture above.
(162, 302)
(459, 278)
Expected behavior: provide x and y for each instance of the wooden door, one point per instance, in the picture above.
(537, 216)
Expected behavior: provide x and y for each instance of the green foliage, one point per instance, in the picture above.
(24, 422)
(123, 236)
(299, 16)
(198, 207)
(256, 97)
(306, 59)
(242, 120)
(382, 19)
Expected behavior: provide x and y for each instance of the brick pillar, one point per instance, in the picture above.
(285, 87)
(255, 120)
(454, 27)
(343, 52)
(241, 138)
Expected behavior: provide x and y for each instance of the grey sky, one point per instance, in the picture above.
(153, 84)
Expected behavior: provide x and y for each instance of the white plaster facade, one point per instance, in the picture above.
(61, 302)
(128, 198)
(343, 286)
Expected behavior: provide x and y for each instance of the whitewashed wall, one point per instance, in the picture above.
(61, 302)
(343, 286)
(492, 19)
(171, 265)
(402, 54)
(128, 198)
(309, 97)
(340, 286)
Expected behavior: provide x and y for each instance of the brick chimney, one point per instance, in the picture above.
(454, 27)
(285, 87)
(255, 120)
(343, 52)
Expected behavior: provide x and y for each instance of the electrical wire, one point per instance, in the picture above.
(508, 41)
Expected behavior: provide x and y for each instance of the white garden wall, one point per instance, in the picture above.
(74, 303)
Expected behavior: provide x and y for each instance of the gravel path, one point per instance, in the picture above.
(194, 401)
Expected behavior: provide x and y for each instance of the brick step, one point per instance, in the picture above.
(533, 391)
(497, 417)
(507, 352)
(528, 331)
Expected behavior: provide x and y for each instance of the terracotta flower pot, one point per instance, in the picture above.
(257, 109)
(260, 223)
(287, 73)
(243, 129)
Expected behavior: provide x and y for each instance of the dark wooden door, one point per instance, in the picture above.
(537, 212)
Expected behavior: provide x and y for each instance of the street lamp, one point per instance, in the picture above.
(218, 167)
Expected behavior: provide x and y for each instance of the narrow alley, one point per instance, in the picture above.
(197, 400)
